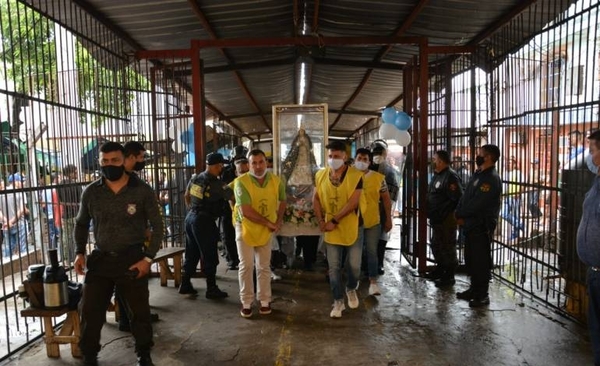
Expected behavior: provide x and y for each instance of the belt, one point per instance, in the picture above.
(112, 254)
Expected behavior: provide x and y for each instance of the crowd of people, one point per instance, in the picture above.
(243, 203)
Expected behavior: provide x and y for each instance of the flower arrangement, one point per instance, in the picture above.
(300, 213)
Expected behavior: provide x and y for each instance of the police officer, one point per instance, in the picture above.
(380, 165)
(205, 196)
(120, 205)
(477, 212)
(444, 191)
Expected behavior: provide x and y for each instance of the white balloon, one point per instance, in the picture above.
(402, 138)
(387, 131)
(177, 146)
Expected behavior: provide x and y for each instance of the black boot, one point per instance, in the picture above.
(186, 287)
(90, 359)
(436, 274)
(446, 280)
(212, 290)
(144, 359)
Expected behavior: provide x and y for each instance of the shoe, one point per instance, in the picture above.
(374, 290)
(352, 299)
(144, 360)
(186, 287)
(338, 307)
(436, 274)
(124, 327)
(479, 302)
(154, 317)
(246, 312)
(233, 267)
(265, 310)
(275, 277)
(445, 282)
(465, 295)
(215, 293)
(90, 360)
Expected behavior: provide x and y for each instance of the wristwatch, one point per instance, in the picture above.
(334, 221)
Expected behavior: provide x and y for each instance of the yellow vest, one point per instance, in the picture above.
(265, 201)
(369, 199)
(333, 199)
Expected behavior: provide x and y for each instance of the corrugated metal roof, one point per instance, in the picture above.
(336, 72)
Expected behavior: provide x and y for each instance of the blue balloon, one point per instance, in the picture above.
(403, 121)
(389, 115)
(190, 159)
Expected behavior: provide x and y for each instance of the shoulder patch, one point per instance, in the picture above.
(453, 187)
(485, 187)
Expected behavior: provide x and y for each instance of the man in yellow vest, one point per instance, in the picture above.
(336, 199)
(258, 215)
(374, 190)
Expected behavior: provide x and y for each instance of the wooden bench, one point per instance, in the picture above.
(162, 258)
(69, 332)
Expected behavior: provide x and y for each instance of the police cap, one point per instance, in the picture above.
(214, 158)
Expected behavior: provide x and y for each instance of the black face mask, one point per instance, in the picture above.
(139, 165)
(479, 160)
(113, 172)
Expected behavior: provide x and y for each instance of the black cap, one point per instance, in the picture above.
(336, 145)
(240, 160)
(214, 158)
(378, 147)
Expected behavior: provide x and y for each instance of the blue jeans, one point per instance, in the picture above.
(15, 237)
(352, 265)
(511, 212)
(371, 240)
(593, 290)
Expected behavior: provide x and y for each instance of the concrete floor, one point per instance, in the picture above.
(412, 323)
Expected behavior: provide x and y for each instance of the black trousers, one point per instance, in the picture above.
(443, 243)
(229, 238)
(308, 244)
(478, 259)
(201, 238)
(105, 272)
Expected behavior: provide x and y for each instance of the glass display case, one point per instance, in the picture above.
(299, 139)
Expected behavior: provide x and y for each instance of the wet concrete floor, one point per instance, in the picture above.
(411, 323)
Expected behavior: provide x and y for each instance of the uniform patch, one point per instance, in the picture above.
(197, 191)
(131, 209)
(437, 184)
(485, 187)
(475, 182)
(453, 187)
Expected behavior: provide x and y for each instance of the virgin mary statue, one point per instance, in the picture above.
(298, 172)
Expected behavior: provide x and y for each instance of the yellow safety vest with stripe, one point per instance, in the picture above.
(265, 201)
(332, 200)
(369, 199)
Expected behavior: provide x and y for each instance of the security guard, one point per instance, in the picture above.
(444, 191)
(120, 205)
(205, 196)
(477, 212)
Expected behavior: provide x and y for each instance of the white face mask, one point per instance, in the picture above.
(335, 164)
(378, 159)
(361, 165)
(589, 161)
(258, 176)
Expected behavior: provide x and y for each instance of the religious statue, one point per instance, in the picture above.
(298, 172)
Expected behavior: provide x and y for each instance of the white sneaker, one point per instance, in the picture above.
(338, 307)
(352, 299)
(374, 290)
(275, 277)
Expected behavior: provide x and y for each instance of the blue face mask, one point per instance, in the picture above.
(589, 161)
